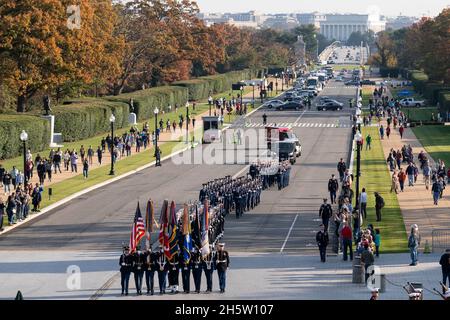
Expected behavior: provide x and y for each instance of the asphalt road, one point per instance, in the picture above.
(101, 220)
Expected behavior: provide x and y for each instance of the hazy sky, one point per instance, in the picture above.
(385, 7)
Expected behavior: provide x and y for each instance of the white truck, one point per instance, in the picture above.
(411, 102)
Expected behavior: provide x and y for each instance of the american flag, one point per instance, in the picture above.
(138, 230)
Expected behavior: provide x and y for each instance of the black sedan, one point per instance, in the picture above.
(367, 82)
(291, 105)
(330, 105)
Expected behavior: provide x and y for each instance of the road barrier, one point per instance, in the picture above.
(440, 240)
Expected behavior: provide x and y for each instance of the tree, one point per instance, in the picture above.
(40, 52)
(311, 39)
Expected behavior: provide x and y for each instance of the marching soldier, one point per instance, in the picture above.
(325, 213)
(237, 202)
(208, 268)
(174, 272)
(196, 266)
(150, 267)
(162, 267)
(138, 270)
(322, 242)
(185, 273)
(203, 193)
(222, 262)
(125, 263)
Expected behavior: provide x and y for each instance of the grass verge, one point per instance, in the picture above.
(435, 140)
(76, 184)
(375, 177)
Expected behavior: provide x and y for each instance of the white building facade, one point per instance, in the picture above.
(341, 26)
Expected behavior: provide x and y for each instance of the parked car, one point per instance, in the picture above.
(411, 102)
(352, 83)
(293, 105)
(331, 105)
(367, 82)
(272, 103)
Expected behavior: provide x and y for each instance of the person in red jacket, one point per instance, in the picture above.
(346, 234)
(401, 130)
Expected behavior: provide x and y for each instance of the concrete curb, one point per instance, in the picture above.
(94, 187)
(102, 184)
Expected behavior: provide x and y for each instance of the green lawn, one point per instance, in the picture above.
(95, 141)
(367, 93)
(339, 67)
(78, 183)
(421, 114)
(375, 177)
(436, 141)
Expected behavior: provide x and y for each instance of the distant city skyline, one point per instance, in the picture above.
(384, 7)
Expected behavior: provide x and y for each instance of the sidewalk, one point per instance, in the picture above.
(106, 159)
(416, 203)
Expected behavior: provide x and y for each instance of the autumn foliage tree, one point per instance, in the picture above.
(121, 46)
(39, 52)
(425, 45)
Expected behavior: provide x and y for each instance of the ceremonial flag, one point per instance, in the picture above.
(204, 230)
(187, 240)
(173, 240)
(138, 230)
(149, 217)
(164, 227)
(196, 234)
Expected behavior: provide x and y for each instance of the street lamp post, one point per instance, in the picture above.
(24, 138)
(358, 137)
(276, 83)
(155, 112)
(112, 119)
(187, 122)
(242, 92)
(253, 101)
(282, 81)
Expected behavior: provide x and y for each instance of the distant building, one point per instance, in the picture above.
(341, 26)
(249, 19)
(400, 22)
(310, 18)
(280, 22)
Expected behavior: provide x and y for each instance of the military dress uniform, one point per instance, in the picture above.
(185, 274)
(196, 267)
(149, 269)
(174, 273)
(125, 263)
(208, 268)
(162, 267)
(222, 262)
(138, 270)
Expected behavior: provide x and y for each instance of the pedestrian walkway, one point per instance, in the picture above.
(252, 276)
(416, 203)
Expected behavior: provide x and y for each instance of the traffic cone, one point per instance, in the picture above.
(427, 248)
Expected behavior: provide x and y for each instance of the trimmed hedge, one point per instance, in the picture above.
(88, 117)
(432, 90)
(419, 80)
(444, 101)
(84, 118)
(389, 72)
(202, 87)
(11, 126)
(145, 101)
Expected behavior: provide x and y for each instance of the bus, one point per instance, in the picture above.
(313, 83)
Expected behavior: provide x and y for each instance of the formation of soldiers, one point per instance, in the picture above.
(241, 194)
(147, 263)
(203, 257)
(272, 172)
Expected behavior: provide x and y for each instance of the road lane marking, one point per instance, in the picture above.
(289, 233)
